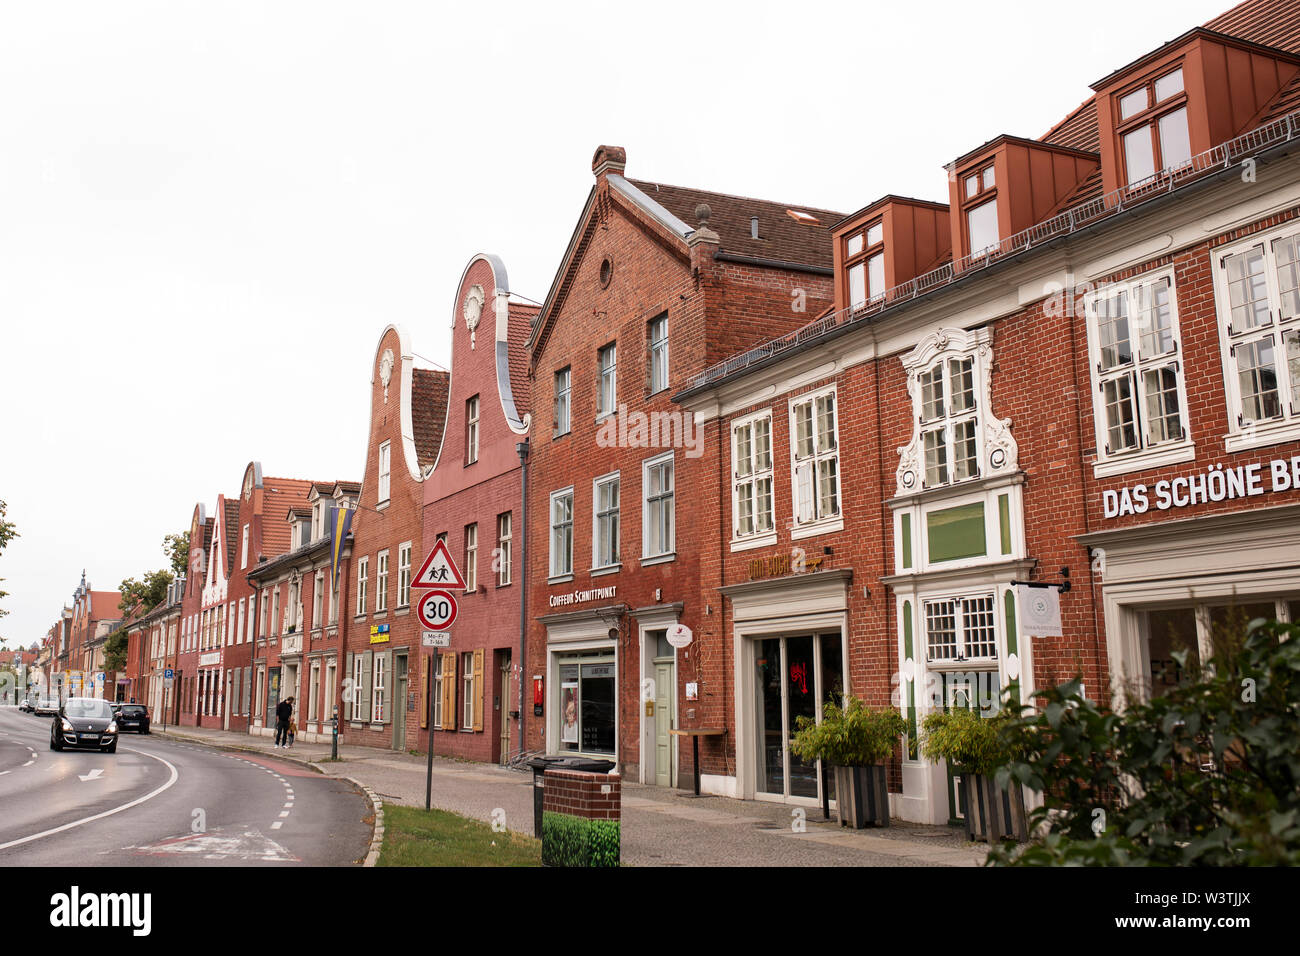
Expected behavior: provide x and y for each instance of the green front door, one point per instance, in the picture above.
(664, 700)
(399, 702)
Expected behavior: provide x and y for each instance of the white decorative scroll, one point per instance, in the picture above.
(473, 310)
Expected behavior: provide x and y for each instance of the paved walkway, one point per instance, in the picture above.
(660, 827)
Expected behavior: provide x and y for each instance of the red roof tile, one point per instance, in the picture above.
(428, 412)
(521, 319)
(781, 237)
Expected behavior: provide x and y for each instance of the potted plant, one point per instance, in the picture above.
(975, 747)
(856, 741)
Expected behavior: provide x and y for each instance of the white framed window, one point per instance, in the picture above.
(1153, 127)
(317, 522)
(605, 524)
(404, 574)
(562, 390)
(658, 346)
(243, 550)
(471, 556)
(961, 628)
(363, 582)
(381, 581)
(358, 679)
(607, 380)
(504, 537)
(318, 599)
(561, 532)
(263, 627)
(1137, 374)
(658, 531)
(471, 430)
(949, 421)
(982, 227)
(467, 668)
(751, 477)
(378, 686)
(276, 621)
(1257, 297)
(814, 459)
(385, 471)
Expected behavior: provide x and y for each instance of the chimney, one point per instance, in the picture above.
(608, 159)
(703, 241)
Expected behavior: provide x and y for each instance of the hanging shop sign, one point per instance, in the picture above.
(1216, 483)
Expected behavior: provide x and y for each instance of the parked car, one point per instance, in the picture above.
(84, 722)
(29, 704)
(46, 706)
(132, 717)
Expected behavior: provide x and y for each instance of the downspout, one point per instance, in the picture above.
(522, 449)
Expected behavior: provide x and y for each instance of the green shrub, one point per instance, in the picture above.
(576, 841)
(1207, 775)
(969, 742)
(852, 736)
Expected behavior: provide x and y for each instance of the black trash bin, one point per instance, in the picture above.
(554, 762)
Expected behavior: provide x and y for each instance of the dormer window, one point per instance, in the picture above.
(979, 181)
(864, 258)
(1153, 128)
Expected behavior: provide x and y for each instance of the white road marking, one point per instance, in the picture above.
(284, 813)
(274, 826)
(93, 775)
(107, 813)
(287, 806)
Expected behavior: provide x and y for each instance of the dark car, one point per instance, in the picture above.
(86, 723)
(132, 717)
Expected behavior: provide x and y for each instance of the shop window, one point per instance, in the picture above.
(1257, 293)
(588, 706)
(814, 453)
(751, 475)
(1137, 372)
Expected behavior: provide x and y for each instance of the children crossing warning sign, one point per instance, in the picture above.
(439, 570)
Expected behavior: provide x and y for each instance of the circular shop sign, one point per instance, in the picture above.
(679, 635)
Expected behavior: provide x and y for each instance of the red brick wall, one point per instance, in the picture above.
(593, 796)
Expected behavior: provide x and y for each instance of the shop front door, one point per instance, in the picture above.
(664, 697)
(399, 702)
(794, 677)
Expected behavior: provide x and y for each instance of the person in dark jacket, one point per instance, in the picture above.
(283, 712)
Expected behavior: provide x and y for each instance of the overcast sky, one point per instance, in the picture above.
(209, 212)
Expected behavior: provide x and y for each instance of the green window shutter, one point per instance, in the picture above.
(1013, 635)
(389, 685)
(907, 540)
(1004, 522)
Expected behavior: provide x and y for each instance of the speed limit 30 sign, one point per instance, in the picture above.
(436, 610)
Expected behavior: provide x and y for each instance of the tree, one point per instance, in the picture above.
(1206, 775)
(177, 549)
(115, 651)
(148, 592)
(8, 531)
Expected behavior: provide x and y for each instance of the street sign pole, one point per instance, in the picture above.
(428, 780)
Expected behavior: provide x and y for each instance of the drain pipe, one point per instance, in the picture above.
(522, 449)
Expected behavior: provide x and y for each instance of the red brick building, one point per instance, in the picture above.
(658, 283)
(1085, 367)
(472, 500)
(381, 703)
(92, 617)
(186, 684)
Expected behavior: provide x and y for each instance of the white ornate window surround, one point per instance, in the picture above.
(959, 501)
(949, 379)
(814, 463)
(1136, 367)
(1257, 298)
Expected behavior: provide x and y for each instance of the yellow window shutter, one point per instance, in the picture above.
(448, 691)
(480, 679)
(424, 691)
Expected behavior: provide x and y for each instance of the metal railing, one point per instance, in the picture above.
(1071, 220)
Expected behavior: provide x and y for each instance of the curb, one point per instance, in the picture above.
(377, 837)
(221, 745)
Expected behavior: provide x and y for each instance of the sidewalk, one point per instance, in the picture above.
(660, 827)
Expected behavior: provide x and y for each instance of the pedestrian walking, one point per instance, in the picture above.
(283, 714)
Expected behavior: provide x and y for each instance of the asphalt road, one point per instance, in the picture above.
(164, 803)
